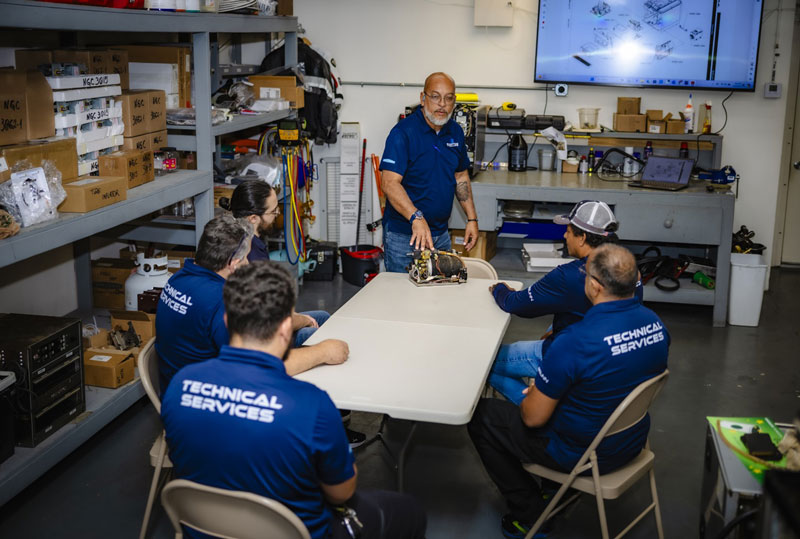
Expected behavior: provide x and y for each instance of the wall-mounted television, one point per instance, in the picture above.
(709, 44)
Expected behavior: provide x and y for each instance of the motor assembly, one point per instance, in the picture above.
(430, 267)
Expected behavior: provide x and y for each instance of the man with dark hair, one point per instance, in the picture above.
(189, 317)
(424, 164)
(589, 369)
(241, 422)
(591, 223)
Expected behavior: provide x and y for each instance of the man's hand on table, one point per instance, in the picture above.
(333, 351)
(492, 287)
(421, 235)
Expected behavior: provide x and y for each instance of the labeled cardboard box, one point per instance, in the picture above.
(89, 193)
(98, 340)
(39, 100)
(144, 324)
(141, 142)
(13, 108)
(61, 152)
(629, 105)
(135, 112)
(287, 85)
(630, 123)
(108, 282)
(108, 367)
(118, 63)
(158, 140)
(181, 56)
(157, 113)
(485, 247)
(25, 59)
(655, 121)
(94, 63)
(134, 165)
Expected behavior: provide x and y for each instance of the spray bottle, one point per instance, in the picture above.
(688, 116)
(707, 118)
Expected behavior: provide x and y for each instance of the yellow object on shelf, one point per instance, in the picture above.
(467, 97)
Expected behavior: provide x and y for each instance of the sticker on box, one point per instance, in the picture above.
(101, 358)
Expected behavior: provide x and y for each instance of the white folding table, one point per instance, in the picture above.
(416, 353)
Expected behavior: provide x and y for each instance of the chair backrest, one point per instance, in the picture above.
(631, 410)
(148, 372)
(229, 513)
(478, 268)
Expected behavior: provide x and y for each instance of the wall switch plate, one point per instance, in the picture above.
(561, 89)
(494, 13)
(772, 90)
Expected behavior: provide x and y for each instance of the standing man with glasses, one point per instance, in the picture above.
(424, 165)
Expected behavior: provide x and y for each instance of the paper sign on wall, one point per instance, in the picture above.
(349, 183)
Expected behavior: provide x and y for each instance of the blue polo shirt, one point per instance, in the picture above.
(258, 250)
(590, 368)
(427, 161)
(189, 320)
(560, 293)
(240, 422)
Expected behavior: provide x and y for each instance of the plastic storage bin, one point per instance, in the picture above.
(748, 277)
(587, 118)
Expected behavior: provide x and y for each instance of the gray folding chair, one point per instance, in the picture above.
(148, 372)
(478, 268)
(228, 513)
(612, 485)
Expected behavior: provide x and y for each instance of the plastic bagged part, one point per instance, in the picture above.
(265, 167)
(32, 194)
(186, 116)
(242, 94)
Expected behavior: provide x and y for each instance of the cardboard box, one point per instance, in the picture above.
(13, 108)
(88, 193)
(157, 113)
(285, 8)
(25, 59)
(108, 367)
(61, 151)
(222, 190)
(485, 248)
(118, 63)
(108, 282)
(100, 340)
(181, 56)
(142, 142)
(676, 127)
(630, 123)
(79, 56)
(656, 126)
(629, 105)
(39, 101)
(287, 85)
(134, 165)
(654, 114)
(135, 112)
(144, 324)
(158, 140)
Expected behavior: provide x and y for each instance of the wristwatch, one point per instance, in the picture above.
(416, 215)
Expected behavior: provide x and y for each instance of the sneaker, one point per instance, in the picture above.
(515, 529)
(355, 438)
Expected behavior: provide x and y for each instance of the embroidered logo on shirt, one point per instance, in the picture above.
(452, 144)
(389, 161)
(627, 341)
(231, 401)
(175, 299)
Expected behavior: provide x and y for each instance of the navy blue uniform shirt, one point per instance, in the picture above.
(240, 422)
(590, 368)
(189, 320)
(560, 293)
(427, 161)
(258, 250)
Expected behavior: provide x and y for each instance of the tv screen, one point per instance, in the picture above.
(710, 44)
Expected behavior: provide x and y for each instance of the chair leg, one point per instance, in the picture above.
(162, 451)
(598, 495)
(657, 507)
(549, 509)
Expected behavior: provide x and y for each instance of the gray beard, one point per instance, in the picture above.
(435, 121)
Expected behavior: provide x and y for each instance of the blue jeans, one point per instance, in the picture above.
(302, 334)
(395, 247)
(514, 362)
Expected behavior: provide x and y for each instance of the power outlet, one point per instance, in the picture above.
(772, 90)
(561, 89)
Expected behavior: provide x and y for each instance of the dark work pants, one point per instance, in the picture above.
(385, 515)
(504, 443)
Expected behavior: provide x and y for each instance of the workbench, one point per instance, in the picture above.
(692, 217)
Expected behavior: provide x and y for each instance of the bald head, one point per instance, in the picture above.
(615, 268)
(434, 79)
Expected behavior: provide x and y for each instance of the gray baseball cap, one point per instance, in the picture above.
(593, 216)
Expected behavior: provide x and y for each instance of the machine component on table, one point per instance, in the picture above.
(431, 267)
(720, 177)
(507, 119)
(538, 122)
(46, 357)
(147, 301)
(125, 339)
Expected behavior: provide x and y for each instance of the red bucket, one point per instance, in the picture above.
(360, 263)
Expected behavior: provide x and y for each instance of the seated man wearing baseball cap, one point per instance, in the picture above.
(590, 224)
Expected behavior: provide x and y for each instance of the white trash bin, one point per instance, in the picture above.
(748, 276)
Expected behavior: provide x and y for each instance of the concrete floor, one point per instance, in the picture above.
(100, 490)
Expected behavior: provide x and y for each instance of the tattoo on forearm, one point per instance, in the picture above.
(462, 191)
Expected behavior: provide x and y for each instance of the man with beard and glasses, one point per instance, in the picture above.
(256, 202)
(424, 165)
(189, 318)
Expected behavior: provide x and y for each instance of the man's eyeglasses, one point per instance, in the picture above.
(275, 212)
(585, 272)
(448, 99)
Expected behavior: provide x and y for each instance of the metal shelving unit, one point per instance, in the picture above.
(103, 405)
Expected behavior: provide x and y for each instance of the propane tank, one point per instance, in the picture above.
(150, 273)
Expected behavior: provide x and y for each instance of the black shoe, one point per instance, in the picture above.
(516, 529)
(355, 438)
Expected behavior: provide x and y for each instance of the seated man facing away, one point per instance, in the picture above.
(591, 223)
(189, 317)
(585, 374)
(241, 422)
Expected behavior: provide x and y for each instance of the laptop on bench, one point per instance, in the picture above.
(667, 173)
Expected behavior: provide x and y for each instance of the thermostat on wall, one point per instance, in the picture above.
(772, 90)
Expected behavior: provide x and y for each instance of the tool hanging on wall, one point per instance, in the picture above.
(361, 186)
(298, 174)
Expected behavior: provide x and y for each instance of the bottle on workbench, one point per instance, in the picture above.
(517, 153)
(684, 151)
(590, 160)
(648, 150)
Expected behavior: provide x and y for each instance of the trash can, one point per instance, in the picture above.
(7, 439)
(748, 277)
(360, 263)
